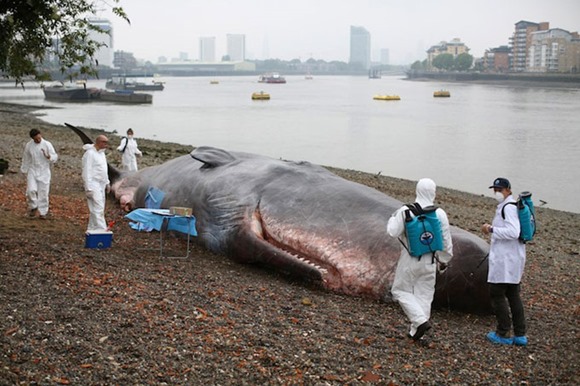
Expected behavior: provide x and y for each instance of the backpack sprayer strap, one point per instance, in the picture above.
(404, 246)
(126, 143)
(434, 257)
(441, 265)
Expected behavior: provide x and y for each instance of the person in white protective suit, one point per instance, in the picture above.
(414, 283)
(130, 151)
(38, 156)
(96, 182)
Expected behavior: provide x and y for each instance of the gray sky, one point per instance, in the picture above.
(291, 29)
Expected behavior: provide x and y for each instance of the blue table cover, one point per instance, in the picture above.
(148, 219)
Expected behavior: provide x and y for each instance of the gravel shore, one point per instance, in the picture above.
(70, 315)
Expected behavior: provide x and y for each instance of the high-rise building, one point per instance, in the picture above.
(385, 59)
(105, 54)
(360, 47)
(521, 41)
(207, 49)
(236, 47)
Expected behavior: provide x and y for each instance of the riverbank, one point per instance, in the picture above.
(124, 316)
(514, 79)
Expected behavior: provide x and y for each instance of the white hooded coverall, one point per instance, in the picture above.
(129, 157)
(95, 179)
(414, 283)
(37, 168)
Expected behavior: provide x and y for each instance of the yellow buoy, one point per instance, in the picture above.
(260, 96)
(387, 98)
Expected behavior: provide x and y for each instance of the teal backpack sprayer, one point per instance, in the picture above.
(526, 214)
(423, 230)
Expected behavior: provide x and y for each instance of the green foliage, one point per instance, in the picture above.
(446, 62)
(419, 65)
(463, 62)
(443, 62)
(478, 66)
(27, 30)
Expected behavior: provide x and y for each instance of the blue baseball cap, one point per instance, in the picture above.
(501, 183)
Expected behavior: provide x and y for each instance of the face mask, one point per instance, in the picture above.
(499, 196)
(129, 136)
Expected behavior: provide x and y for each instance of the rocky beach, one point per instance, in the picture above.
(71, 315)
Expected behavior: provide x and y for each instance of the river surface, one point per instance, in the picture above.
(529, 134)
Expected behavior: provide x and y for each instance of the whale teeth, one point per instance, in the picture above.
(322, 271)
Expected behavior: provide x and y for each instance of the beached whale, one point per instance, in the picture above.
(301, 219)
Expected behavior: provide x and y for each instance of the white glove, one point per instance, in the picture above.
(90, 194)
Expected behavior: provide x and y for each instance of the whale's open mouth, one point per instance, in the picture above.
(289, 255)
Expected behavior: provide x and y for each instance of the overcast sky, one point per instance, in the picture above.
(320, 29)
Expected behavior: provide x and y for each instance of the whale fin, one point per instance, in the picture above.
(212, 157)
(84, 137)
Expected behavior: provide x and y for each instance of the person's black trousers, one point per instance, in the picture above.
(506, 297)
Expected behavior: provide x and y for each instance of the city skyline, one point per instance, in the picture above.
(321, 30)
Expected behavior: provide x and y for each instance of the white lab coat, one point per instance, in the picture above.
(414, 283)
(129, 157)
(507, 255)
(95, 179)
(37, 168)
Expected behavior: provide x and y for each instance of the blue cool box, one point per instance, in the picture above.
(98, 239)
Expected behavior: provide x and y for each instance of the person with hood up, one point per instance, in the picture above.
(507, 259)
(38, 156)
(130, 152)
(96, 181)
(414, 283)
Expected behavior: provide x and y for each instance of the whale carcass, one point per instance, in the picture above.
(302, 219)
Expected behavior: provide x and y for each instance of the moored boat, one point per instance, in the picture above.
(60, 92)
(272, 77)
(441, 94)
(260, 96)
(387, 98)
(121, 83)
(125, 96)
(374, 73)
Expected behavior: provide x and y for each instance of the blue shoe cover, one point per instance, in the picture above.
(493, 337)
(521, 340)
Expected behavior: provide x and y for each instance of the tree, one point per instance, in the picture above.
(418, 65)
(463, 62)
(28, 29)
(443, 61)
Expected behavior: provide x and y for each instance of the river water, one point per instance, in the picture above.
(531, 135)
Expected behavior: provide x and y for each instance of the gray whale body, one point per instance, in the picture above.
(301, 219)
